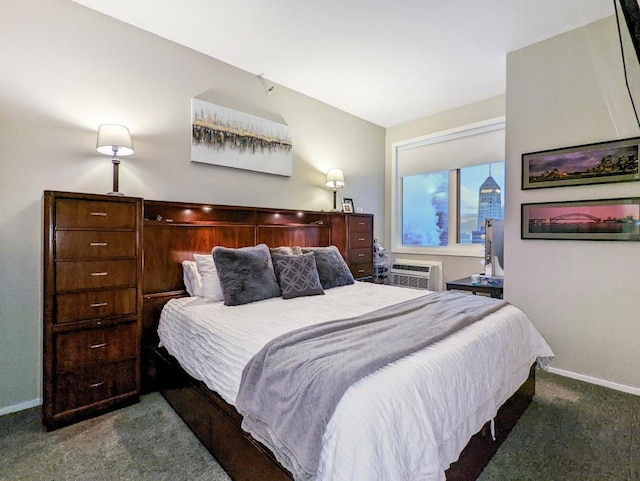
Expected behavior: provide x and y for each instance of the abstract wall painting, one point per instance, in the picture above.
(602, 219)
(223, 136)
(614, 161)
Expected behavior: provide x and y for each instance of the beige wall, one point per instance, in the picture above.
(454, 267)
(65, 70)
(582, 296)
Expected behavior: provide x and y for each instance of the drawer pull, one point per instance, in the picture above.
(98, 244)
(98, 304)
(97, 384)
(99, 214)
(361, 239)
(360, 255)
(99, 273)
(360, 271)
(360, 223)
(97, 346)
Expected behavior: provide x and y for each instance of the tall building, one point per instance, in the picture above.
(489, 201)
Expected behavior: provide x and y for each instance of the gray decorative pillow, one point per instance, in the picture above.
(297, 275)
(332, 269)
(246, 274)
(286, 250)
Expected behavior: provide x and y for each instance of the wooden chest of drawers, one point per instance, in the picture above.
(353, 235)
(92, 304)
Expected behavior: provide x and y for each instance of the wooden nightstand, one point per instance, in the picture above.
(92, 304)
(495, 289)
(353, 235)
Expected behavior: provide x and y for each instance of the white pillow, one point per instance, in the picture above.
(211, 288)
(191, 277)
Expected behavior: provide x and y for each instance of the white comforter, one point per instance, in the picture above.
(407, 421)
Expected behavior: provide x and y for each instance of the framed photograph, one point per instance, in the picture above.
(347, 200)
(347, 208)
(615, 161)
(602, 219)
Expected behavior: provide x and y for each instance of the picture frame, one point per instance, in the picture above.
(600, 219)
(347, 201)
(597, 163)
(230, 138)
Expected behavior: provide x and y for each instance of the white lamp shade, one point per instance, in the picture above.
(114, 139)
(335, 178)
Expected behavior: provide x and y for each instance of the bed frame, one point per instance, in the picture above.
(172, 232)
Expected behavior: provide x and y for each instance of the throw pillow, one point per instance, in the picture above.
(246, 274)
(332, 269)
(297, 275)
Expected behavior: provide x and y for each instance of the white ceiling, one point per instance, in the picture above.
(384, 61)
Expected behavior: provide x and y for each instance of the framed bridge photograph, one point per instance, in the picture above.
(614, 161)
(601, 219)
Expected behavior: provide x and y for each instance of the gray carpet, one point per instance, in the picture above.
(573, 431)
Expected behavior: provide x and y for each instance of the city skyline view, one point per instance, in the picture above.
(426, 204)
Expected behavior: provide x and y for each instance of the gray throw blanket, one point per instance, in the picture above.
(290, 389)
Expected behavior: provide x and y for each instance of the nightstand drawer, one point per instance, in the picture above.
(95, 214)
(361, 223)
(86, 349)
(94, 244)
(360, 240)
(78, 275)
(361, 270)
(84, 388)
(361, 255)
(95, 304)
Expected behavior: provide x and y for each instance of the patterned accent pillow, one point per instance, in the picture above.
(246, 274)
(332, 269)
(297, 275)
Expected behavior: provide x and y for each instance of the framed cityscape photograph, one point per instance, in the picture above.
(601, 219)
(614, 161)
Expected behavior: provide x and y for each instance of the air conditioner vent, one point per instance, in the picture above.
(407, 267)
(416, 274)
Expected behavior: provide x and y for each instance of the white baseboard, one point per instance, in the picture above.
(594, 380)
(20, 407)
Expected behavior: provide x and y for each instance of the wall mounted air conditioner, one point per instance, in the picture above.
(418, 274)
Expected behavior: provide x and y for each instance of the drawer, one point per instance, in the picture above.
(95, 214)
(81, 350)
(83, 388)
(361, 255)
(361, 270)
(360, 223)
(360, 240)
(77, 275)
(94, 244)
(95, 304)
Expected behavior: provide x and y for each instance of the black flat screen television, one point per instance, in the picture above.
(628, 17)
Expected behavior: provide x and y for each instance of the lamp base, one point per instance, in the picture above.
(115, 193)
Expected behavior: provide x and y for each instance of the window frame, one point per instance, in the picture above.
(454, 248)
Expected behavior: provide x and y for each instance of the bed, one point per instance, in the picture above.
(432, 402)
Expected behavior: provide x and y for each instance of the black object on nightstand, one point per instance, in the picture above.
(493, 286)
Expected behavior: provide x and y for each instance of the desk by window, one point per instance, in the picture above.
(495, 289)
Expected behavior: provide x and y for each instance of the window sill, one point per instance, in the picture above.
(458, 250)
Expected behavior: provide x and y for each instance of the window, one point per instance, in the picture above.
(445, 186)
(481, 197)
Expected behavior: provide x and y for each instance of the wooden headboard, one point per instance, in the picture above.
(173, 231)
